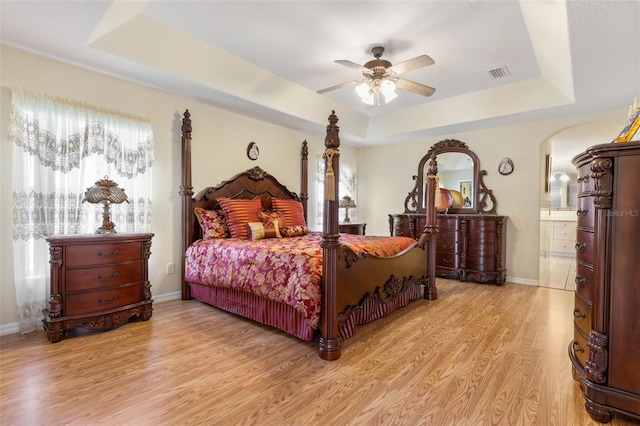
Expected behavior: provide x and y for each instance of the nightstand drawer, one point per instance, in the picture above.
(102, 254)
(100, 300)
(106, 276)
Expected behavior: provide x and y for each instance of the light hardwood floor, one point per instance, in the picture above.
(479, 355)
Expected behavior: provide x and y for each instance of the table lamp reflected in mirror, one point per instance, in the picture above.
(105, 192)
(346, 203)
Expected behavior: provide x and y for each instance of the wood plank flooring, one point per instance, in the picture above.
(479, 355)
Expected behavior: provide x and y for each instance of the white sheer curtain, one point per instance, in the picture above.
(61, 148)
(347, 185)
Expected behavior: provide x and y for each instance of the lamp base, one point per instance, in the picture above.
(103, 230)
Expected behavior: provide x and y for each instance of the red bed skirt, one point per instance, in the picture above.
(287, 319)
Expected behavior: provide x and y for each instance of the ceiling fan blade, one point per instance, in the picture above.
(412, 64)
(412, 86)
(339, 86)
(353, 65)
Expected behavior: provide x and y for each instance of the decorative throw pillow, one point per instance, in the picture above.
(292, 211)
(258, 230)
(267, 217)
(212, 222)
(239, 212)
(294, 231)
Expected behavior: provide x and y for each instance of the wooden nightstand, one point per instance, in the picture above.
(97, 282)
(352, 228)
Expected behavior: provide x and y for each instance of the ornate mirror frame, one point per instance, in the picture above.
(483, 200)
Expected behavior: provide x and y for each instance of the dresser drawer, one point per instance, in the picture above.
(580, 348)
(586, 212)
(582, 314)
(446, 224)
(481, 263)
(585, 247)
(102, 254)
(584, 281)
(100, 300)
(446, 259)
(482, 237)
(585, 182)
(482, 225)
(102, 277)
(478, 249)
(446, 242)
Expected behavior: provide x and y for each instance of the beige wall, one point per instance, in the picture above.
(220, 139)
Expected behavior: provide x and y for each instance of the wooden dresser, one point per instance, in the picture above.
(97, 282)
(467, 246)
(605, 352)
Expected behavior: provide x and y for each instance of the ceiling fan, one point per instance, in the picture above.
(380, 76)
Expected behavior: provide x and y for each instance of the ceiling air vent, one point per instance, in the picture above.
(499, 72)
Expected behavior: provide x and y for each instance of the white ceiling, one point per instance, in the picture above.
(267, 59)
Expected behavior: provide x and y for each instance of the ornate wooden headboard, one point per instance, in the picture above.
(252, 183)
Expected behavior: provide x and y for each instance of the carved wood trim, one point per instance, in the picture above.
(598, 362)
(602, 174)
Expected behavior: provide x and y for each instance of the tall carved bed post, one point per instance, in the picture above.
(186, 190)
(329, 344)
(304, 177)
(430, 291)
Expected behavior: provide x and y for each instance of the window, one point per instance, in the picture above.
(347, 185)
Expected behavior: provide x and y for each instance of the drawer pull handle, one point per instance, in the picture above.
(101, 300)
(100, 277)
(576, 347)
(581, 246)
(578, 314)
(584, 178)
(580, 280)
(582, 212)
(108, 254)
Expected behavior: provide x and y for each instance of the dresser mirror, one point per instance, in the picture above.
(458, 170)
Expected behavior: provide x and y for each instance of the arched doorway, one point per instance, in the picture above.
(557, 201)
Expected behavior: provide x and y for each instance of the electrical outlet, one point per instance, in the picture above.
(171, 268)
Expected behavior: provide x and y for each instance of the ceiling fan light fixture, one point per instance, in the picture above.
(363, 90)
(388, 89)
(369, 98)
(388, 97)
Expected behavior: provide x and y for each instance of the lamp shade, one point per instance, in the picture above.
(346, 203)
(106, 192)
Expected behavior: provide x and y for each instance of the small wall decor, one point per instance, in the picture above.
(506, 166)
(252, 151)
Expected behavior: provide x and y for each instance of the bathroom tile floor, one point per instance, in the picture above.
(558, 272)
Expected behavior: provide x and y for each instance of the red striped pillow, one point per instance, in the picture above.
(292, 211)
(239, 212)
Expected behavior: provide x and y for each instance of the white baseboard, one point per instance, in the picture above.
(524, 281)
(14, 327)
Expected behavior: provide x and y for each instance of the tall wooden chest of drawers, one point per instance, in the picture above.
(468, 246)
(605, 352)
(97, 282)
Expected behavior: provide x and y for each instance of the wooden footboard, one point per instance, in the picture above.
(348, 282)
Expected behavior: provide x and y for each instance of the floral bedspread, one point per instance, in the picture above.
(287, 270)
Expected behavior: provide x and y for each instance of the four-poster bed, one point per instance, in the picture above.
(305, 282)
